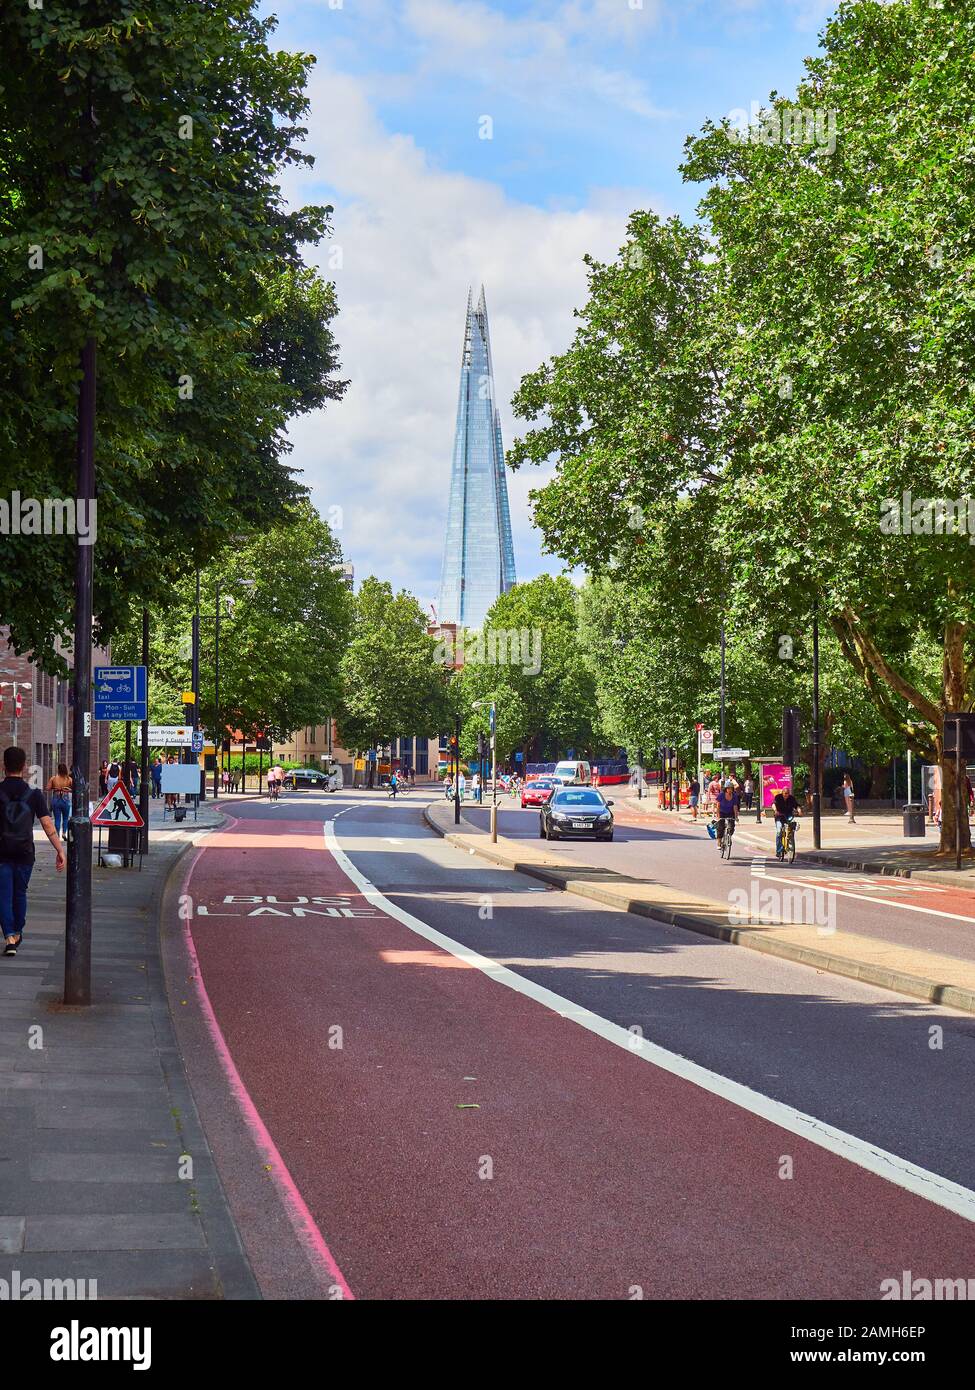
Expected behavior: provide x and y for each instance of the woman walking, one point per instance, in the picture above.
(103, 778)
(848, 798)
(59, 788)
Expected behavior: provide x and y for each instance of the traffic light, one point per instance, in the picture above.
(791, 733)
(481, 751)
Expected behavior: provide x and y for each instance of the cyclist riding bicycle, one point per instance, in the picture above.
(727, 808)
(786, 810)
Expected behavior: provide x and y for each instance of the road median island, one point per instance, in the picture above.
(926, 975)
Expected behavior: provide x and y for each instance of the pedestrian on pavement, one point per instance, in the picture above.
(393, 785)
(113, 775)
(476, 786)
(225, 780)
(849, 798)
(462, 785)
(694, 797)
(103, 778)
(171, 797)
(448, 788)
(748, 791)
(157, 776)
(20, 805)
(59, 790)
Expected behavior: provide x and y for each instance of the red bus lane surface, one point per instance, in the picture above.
(452, 1138)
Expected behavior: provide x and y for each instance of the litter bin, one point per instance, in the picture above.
(914, 822)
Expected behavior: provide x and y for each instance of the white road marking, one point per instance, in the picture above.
(899, 1171)
(865, 898)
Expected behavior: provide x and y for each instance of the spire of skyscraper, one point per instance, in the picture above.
(478, 558)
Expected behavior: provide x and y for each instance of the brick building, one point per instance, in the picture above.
(43, 728)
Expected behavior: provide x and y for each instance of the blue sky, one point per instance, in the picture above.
(585, 105)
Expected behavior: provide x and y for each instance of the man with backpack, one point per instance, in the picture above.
(20, 804)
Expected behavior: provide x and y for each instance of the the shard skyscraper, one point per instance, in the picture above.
(478, 557)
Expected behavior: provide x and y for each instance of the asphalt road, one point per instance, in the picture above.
(900, 910)
(454, 1131)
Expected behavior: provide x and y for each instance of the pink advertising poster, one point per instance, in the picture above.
(776, 777)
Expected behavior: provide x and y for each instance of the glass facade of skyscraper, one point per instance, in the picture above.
(478, 559)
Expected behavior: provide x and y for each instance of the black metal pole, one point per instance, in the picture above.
(77, 922)
(457, 770)
(217, 740)
(723, 744)
(817, 797)
(957, 793)
(195, 757)
(127, 779)
(639, 759)
(144, 782)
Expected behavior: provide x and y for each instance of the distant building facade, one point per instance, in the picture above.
(44, 727)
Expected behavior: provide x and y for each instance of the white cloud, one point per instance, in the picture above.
(549, 54)
(413, 238)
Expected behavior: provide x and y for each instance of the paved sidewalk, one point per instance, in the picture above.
(97, 1123)
(940, 979)
(874, 843)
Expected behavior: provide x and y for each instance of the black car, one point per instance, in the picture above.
(305, 777)
(576, 811)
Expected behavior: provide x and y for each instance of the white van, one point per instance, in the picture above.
(573, 774)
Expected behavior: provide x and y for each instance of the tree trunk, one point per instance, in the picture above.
(878, 781)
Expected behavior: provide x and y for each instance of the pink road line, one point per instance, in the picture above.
(302, 1221)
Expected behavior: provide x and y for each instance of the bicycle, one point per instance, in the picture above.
(726, 838)
(786, 845)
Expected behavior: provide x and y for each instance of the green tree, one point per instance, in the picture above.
(757, 396)
(528, 655)
(846, 273)
(392, 682)
(285, 619)
(139, 166)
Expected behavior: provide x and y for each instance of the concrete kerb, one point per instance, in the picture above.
(708, 922)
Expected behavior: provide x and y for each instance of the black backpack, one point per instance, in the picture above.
(16, 825)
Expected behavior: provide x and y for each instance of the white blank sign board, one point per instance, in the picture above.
(181, 777)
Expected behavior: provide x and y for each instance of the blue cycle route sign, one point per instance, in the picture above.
(120, 692)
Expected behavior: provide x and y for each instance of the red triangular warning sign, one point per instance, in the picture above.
(117, 808)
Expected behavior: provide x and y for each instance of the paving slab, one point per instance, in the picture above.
(95, 1105)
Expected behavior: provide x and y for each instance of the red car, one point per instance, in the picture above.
(537, 791)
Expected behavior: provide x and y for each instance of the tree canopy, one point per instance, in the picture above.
(752, 407)
(140, 206)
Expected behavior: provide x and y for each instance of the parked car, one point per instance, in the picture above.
(537, 791)
(297, 777)
(575, 811)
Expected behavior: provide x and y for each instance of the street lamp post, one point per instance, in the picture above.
(817, 800)
(492, 706)
(217, 739)
(77, 917)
